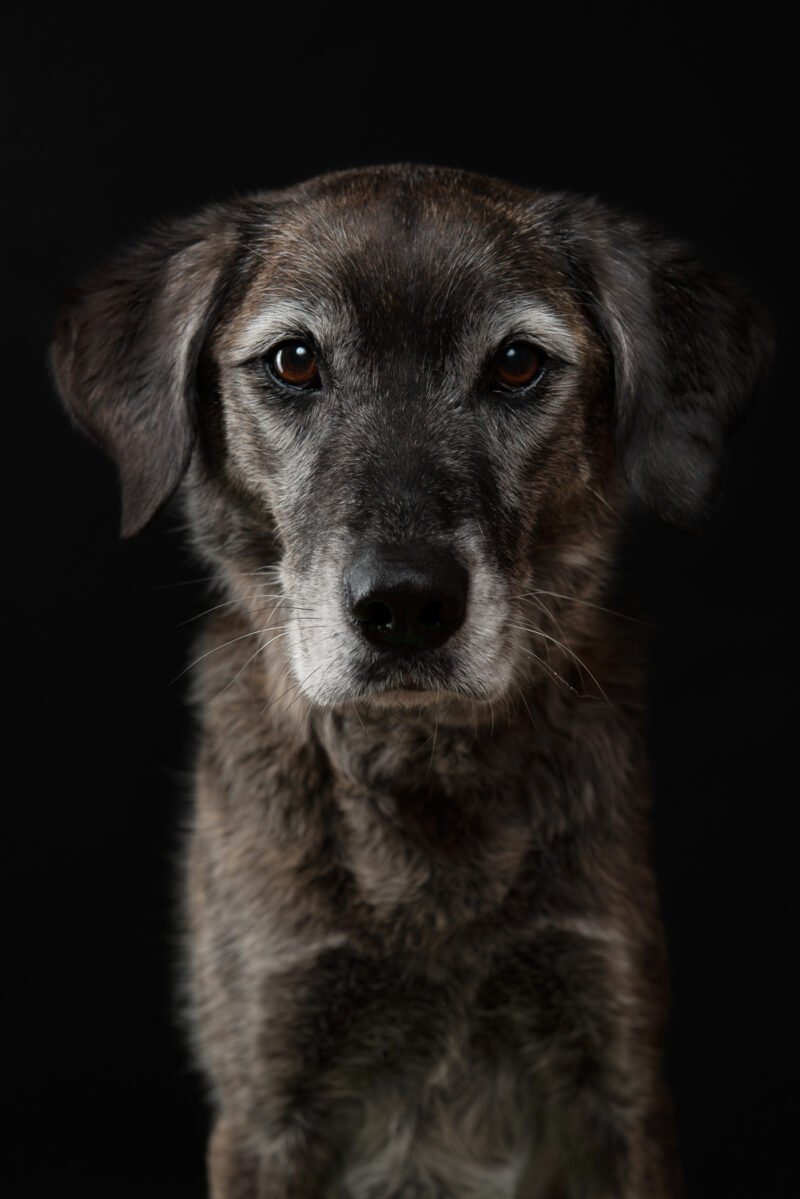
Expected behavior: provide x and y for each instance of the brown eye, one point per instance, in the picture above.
(517, 364)
(295, 363)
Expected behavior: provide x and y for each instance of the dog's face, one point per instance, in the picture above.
(414, 399)
(420, 393)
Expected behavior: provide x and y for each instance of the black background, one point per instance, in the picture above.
(118, 119)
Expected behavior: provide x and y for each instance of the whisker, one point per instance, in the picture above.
(202, 579)
(585, 603)
(278, 600)
(540, 633)
(525, 702)
(543, 608)
(367, 734)
(296, 686)
(260, 650)
(217, 648)
(604, 501)
(554, 673)
(216, 608)
(207, 612)
(435, 728)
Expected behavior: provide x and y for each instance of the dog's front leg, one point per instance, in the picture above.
(607, 1101)
(277, 1168)
(584, 1020)
(611, 1149)
(233, 1166)
(277, 1133)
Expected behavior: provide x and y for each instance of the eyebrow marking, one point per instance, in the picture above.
(278, 319)
(541, 323)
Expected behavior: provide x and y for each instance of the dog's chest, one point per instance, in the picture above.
(428, 863)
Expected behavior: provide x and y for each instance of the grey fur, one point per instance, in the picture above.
(424, 952)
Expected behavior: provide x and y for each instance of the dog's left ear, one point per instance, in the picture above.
(125, 349)
(689, 350)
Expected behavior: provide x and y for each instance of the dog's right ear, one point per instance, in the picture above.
(125, 351)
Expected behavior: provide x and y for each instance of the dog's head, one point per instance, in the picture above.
(420, 393)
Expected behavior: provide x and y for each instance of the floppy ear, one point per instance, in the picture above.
(689, 349)
(125, 350)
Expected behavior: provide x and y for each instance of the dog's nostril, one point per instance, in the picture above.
(431, 615)
(377, 613)
(407, 598)
(443, 611)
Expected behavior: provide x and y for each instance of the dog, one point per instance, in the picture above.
(408, 406)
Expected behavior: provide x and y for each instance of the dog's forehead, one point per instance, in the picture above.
(388, 253)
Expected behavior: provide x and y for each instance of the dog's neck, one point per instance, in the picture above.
(416, 801)
(431, 747)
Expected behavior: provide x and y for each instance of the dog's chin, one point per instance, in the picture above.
(405, 697)
(448, 696)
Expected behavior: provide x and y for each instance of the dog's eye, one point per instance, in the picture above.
(295, 363)
(517, 365)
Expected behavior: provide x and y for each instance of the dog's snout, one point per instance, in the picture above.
(406, 598)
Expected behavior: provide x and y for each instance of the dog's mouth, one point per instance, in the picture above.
(408, 672)
(443, 699)
(413, 678)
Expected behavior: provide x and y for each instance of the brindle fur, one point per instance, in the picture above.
(424, 951)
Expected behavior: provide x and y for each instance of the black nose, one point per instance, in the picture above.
(407, 597)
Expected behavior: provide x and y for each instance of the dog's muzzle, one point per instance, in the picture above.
(406, 598)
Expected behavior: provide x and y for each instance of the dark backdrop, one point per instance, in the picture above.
(115, 120)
